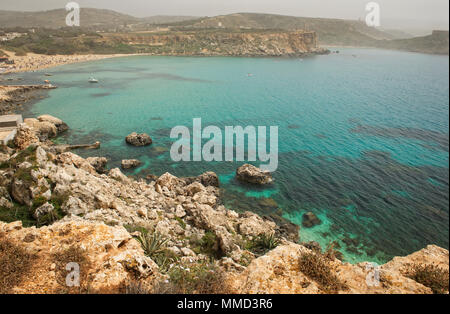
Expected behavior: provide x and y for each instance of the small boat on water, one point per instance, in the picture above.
(93, 80)
(48, 74)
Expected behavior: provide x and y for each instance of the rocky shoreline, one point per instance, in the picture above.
(14, 99)
(164, 235)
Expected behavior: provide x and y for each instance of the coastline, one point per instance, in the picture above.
(199, 233)
(242, 268)
(34, 62)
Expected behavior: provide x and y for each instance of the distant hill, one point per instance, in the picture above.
(436, 43)
(397, 34)
(89, 18)
(329, 31)
(167, 19)
(57, 18)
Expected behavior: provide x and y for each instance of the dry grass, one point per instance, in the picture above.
(431, 276)
(317, 268)
(136, 287)
(73, 254)
(15, 264)
(201, 278)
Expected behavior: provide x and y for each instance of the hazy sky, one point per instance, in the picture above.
(410, 13)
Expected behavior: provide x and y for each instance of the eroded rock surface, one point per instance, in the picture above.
(136, 139)
(107, 256)
(130, 163)
(279, 272)
(253, 175)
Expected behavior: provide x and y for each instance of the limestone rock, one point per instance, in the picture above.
(194, 188)
(209, 179)
(278, 272)
(20, 191)
(253, 225)
(169, 181)
(60, 125)
(99, 163)
(25, 136)
(5, 203)
(43, 210)
(110, 257)
(118, 175)
(136, 139)
(130, 163)
(69, 158)
(44, 130)
(253, 175)
(41, 156)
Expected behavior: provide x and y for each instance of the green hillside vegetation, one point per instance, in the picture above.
(52, 37)
(65, 41)
(57, 18)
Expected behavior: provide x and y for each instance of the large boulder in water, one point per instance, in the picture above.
(251, 174)
(60, 124)
(136, 139)
(310, 220)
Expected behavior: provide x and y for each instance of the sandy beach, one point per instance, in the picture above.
(33, 62)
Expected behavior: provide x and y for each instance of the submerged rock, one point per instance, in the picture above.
(136, 139)
(310, 220)
(313, 246)
(251, 174)
(130, 163)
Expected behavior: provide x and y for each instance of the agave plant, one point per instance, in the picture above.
(153, 244)
(268, 241)
(264, 243)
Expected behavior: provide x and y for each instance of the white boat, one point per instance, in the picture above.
(93, 80)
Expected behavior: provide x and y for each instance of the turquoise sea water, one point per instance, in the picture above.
(363, 135)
